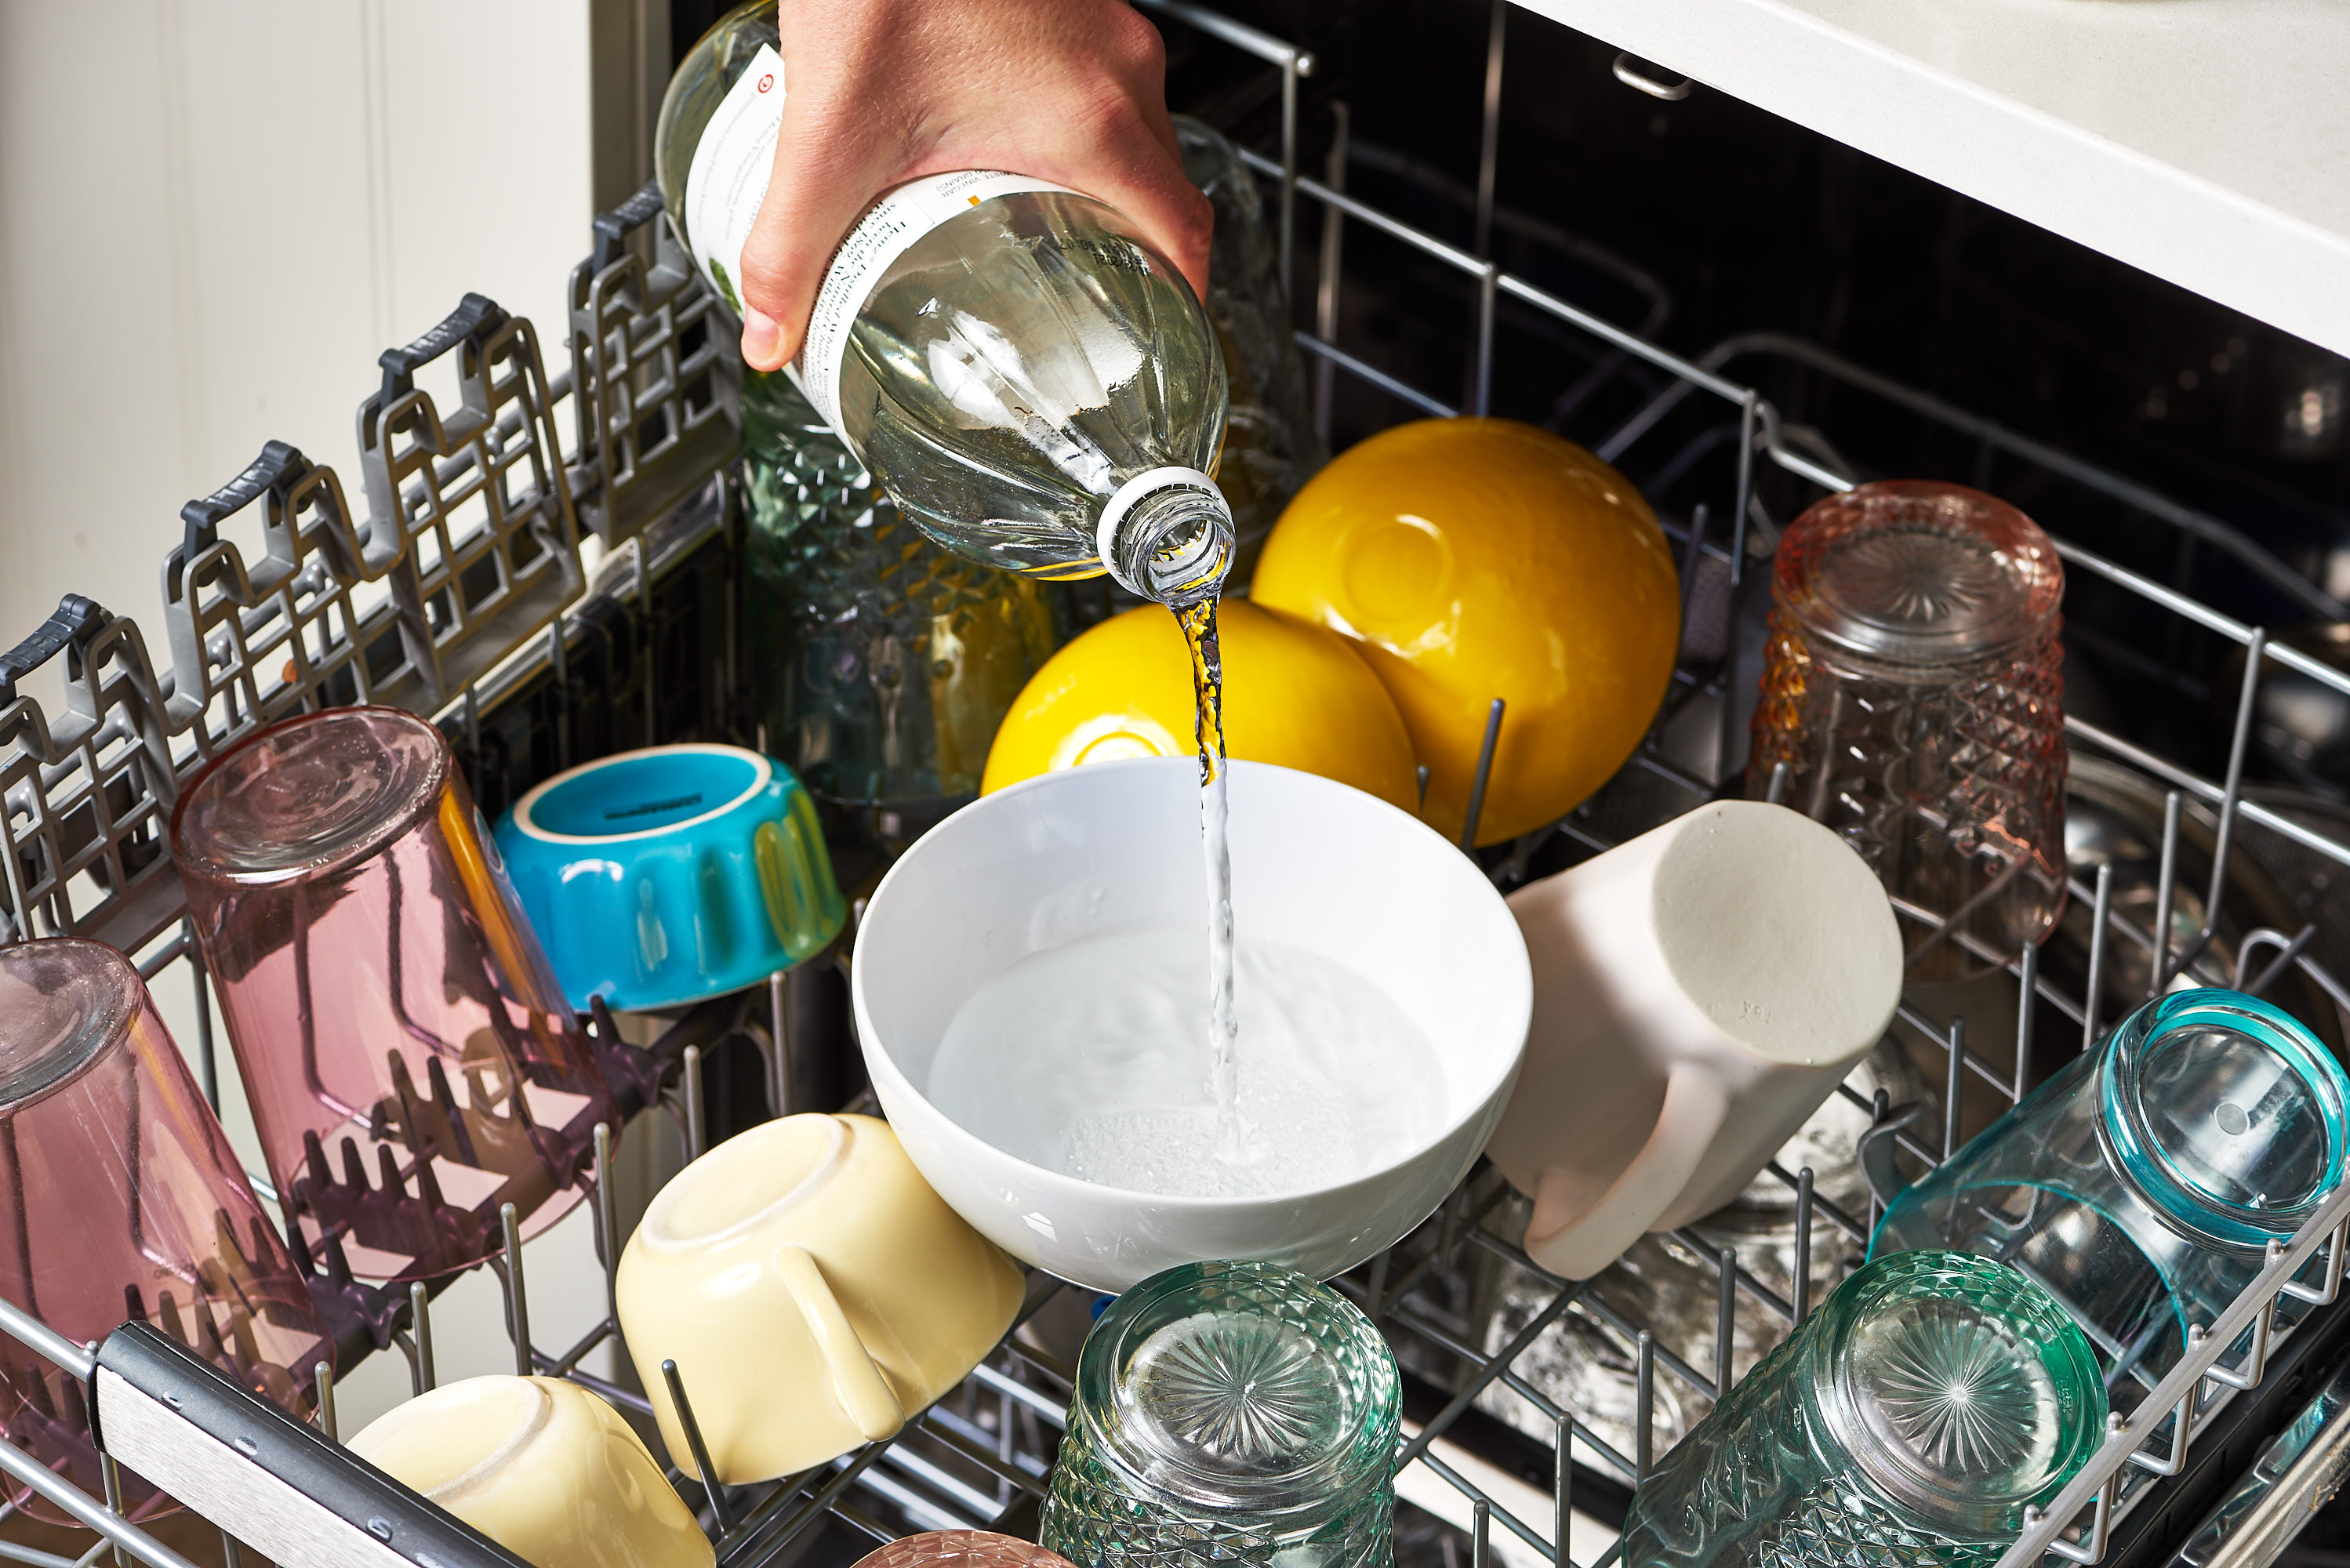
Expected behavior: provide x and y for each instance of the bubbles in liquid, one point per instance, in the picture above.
(1085, 1059)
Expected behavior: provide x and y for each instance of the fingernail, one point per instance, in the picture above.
(762, 339)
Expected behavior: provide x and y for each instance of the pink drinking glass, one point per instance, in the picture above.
(412, 1063)
(124, 1202)
(962, 1549)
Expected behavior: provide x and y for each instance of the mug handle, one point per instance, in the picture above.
(1576, 1244)
(862, 1393)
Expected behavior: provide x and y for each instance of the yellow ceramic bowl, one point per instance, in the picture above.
(1483, 558)
(1293, 694)
(543, 1468)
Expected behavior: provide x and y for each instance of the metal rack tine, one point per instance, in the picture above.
(779, 1042)
(1562, 1490)
(1485, 775)
(2100, 918)
(420, 1319)
(2028, 974)
(322, 1376)
(608, 1224)
(1802, 1282)
(1643, 1407)
(1422, 771)
(2247, 703)
(711, 1485)
(1481, 1532)
(1954, 1085)
(517, 1303)
(1725, 1322)
(691, 1091)
(2163, 892)
(1777, 794)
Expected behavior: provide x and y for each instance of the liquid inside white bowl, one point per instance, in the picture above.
(1091, 1059)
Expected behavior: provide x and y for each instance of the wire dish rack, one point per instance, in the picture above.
(545, 568)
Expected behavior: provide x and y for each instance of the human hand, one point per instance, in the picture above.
(883, 92)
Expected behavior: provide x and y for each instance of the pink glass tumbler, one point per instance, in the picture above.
(1913, 689)
(124, 1202)
(412, 1063)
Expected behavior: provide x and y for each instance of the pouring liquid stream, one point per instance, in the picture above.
(1199, 623)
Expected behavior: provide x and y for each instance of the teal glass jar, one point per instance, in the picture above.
(2142, 1183)
(1229, 1413)
(1909, 1422)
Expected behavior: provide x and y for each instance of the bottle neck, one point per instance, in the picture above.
(1166, 535)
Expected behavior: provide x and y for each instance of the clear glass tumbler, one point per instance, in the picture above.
(411, 1060)
(1909, 1422)
(2142, 1183)
(125, 1203)
(1229, 1413)
(1912, 685)
(882, 662)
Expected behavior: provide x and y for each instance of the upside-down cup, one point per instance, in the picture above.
(808, 1256)
(542, 1466)
(412, 1063)
(124, 1202)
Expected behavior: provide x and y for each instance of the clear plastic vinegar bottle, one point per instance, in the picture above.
(1035, 385)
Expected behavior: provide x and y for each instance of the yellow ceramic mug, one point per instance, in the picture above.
(543, 1468)
(813, 1291)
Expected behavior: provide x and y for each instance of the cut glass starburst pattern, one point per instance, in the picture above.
(1959, 1396)
(1915, 579)
(1247, 1391)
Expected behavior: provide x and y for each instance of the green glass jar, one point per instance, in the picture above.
(1229, 1413)
(881, 663)
(1909, 1422)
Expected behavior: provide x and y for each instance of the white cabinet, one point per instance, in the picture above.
(2207, 141)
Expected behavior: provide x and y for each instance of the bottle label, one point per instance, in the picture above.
(890, 228)
(728, 178)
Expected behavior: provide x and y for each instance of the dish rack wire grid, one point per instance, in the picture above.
(464, 593)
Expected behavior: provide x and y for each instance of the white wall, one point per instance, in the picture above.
(216, 214)
(213, 215)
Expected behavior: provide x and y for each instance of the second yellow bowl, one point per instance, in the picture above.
(1294, 694)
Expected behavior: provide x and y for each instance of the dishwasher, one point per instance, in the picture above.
(543, 554)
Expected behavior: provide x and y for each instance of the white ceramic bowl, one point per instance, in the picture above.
(1114, 847)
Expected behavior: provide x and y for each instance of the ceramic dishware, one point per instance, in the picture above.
(1114, 847)
(1229, 1413)
(663, 876)
(124, 1201)
(2144, 1181)
(542, 1466)
(411, 1064)
(806, 1255)
(1698, 993)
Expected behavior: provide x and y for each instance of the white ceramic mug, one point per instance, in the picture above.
(1114, 847)
(1698, 992)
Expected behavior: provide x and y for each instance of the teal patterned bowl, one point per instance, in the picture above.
(661, 878)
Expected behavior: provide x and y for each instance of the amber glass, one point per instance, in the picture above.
(411, 1060)
(125, 1204)
(1913, 687)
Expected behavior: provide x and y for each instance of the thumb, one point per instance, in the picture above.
(811, 201)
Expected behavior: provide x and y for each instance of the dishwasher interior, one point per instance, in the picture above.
(539, 547)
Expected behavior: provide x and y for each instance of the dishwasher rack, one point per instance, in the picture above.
(545, 567)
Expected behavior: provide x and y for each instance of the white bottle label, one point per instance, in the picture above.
(890, 228)
(728, 177)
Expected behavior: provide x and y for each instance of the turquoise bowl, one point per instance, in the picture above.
(663, 876)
